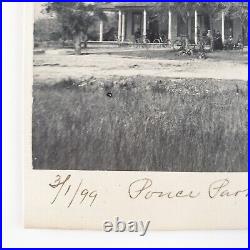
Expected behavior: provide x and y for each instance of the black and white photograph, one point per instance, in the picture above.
(125, 124)
(140, 86)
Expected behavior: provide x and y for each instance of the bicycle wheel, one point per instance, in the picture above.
(177, 45)
(157, 42)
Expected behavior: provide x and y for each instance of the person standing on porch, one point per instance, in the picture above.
(218, 45)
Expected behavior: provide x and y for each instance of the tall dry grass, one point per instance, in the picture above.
(148, 124)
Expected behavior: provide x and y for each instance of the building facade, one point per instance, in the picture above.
(136, 17)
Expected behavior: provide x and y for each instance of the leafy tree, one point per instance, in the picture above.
(47, 29)
(76, 18)
(238, 10)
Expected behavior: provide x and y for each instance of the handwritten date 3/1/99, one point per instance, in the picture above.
(73, 193)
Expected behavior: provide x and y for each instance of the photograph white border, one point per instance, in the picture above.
(112, 187)
(14, 235)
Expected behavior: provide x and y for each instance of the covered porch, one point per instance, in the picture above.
(141, 19)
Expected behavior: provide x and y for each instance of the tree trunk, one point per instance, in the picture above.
(85, 40)
(77, 43)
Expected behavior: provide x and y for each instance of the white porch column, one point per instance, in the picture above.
(123, 27)
(195, 26)
(101, 31)
(144, 33)
(119, 34)
(223, 26)
(169, 25)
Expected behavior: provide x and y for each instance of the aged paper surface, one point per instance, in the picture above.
(113, 201)
(85, 199)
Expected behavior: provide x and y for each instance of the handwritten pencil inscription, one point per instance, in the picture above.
(72, 192)
(76, 193)
(144, 188)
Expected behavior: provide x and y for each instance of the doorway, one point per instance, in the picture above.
(153, 28)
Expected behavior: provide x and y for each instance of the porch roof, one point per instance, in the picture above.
(126, 5)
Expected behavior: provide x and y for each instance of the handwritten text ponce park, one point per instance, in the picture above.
(77, 193)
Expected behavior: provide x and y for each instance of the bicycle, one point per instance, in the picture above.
(180, 43)
(238, 46)
(162, 41)
(182, 46)
(231, 45)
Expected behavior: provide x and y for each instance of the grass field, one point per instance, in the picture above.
(144, 123)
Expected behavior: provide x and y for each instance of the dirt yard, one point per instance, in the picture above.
(56, 65)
